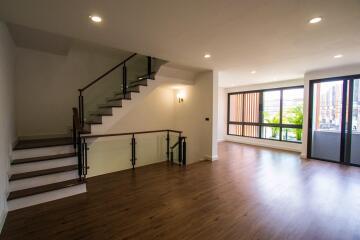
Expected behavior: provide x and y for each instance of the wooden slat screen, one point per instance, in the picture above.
(236, 108)
(251, 113)
(236, 113)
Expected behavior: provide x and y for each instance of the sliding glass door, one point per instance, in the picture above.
(334, 120)
(354, 138)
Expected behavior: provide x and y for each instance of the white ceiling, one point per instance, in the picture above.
(269, 36)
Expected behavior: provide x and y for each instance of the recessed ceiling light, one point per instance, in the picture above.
(207, 55)
(95, 18)
(253, 72)
(315, 20)
(338, 56)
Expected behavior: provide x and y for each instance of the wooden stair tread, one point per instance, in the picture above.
(38, 173)
(93, 122)
(86, 129)
(120, 96)
(138, 84)
(101, 114)
(39, 143)
(43, 158)
(117, 98)
(44, 188)
(110, 106)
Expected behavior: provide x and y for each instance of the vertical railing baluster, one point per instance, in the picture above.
(124, 80)
(184, 151)
(180, 149)
(81, 108)
(84, 162)
(167, 145)
(74, 133)
(149, 64)
(172, 156)
(133, 151)
(79, 152)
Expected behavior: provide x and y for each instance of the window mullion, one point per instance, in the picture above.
(281, 113)
(260, 112)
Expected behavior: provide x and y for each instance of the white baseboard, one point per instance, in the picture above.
(287, 146)
(2, 219)
(211, 158)
(221, 140)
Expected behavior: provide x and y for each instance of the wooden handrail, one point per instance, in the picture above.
(130, 133)
(106, 73)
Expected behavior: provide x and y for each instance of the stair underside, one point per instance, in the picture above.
(39, 143)
(43, 158)
(43, 172)
(44, 188)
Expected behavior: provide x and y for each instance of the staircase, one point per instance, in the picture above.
(44, 170)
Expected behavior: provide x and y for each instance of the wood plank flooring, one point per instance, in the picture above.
(249, 193)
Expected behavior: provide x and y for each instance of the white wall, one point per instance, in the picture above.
(154, 112)
(7, 128)
(160, 109)
(318, 74)
(222, 114)
(46, 86)
(190, 117)
(264, 142)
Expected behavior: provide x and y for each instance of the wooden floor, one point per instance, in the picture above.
(249, 193)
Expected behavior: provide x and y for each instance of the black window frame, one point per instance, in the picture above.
(260, 123)
(346, 129)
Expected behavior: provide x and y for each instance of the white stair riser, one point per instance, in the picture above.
(46, 197)
(39, 152)
(35, 166)
(42, 180)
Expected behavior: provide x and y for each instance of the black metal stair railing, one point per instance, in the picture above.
(181, 145)
(81, 145)
(147, 69)
(135, 71)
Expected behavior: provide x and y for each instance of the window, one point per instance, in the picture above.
(275, 114)
(328, 105)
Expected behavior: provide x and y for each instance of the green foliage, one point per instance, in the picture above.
(274, 119)
(295, 116)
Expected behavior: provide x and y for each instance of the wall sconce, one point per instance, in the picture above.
(180, 96)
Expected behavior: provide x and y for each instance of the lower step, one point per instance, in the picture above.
(41, 165)
(33, 196)
(27, 183)
(41, 152)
